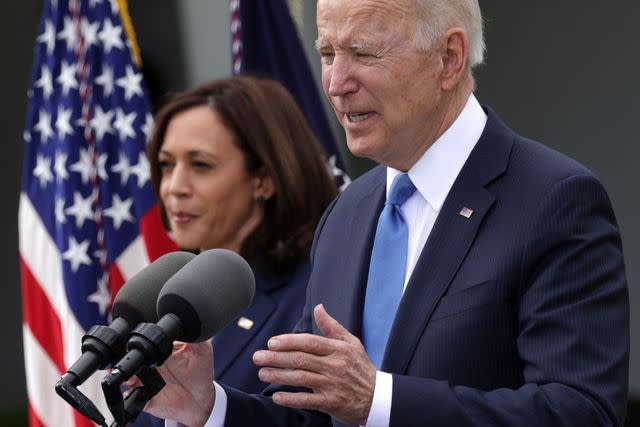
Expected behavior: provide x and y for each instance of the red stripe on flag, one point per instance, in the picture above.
(116, 280)
(34, 421)
(155, 237)
(41, 317)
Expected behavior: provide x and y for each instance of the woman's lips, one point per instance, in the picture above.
(182, 217)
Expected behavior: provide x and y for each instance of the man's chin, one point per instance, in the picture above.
(361, 146)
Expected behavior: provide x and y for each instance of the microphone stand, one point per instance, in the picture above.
(149, 345)
(152, 383)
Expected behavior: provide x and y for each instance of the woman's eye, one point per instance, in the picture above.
(201, 165)
(164, 164)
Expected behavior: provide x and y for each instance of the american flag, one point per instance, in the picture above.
(88, 217)
(264, 40)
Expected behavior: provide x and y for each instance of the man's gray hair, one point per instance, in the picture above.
(436, 17)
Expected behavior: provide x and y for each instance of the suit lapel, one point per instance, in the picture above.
(359, 234)
(449, 242)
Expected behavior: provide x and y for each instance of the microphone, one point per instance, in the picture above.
(199, 300)
(104, 345)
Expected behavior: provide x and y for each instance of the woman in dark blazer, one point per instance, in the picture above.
(236, 166)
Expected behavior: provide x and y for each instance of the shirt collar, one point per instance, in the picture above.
(435, 172)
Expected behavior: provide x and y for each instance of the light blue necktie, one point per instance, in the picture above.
(386, 270)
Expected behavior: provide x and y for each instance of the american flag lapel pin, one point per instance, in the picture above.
(466, 212)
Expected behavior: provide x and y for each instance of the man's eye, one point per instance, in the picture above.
(327, 56)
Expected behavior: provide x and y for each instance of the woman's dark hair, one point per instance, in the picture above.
(273, 134)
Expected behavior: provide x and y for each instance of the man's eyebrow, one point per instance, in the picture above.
(355, 45)
(321, 44)
(359, 45)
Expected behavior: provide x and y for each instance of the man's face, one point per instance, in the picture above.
(385, 93)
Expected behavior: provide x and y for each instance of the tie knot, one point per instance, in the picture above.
(401, 189)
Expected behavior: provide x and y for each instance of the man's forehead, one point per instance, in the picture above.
(351, 23)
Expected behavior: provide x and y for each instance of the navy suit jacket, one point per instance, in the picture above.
(276, 307)
(515, 316)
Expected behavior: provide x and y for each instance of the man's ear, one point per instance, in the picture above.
(264, 186)
(455, 51)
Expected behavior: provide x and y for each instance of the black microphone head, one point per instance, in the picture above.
(209, 292)
(136, 300)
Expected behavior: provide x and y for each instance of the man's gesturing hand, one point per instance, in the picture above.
(335, 367)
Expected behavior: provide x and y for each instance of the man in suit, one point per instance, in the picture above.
(512, 306)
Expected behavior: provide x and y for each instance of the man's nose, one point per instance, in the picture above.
(341, 77)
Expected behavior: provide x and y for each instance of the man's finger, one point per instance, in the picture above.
(307, 343)
(289, 360)
(329, 326)
(292, 377)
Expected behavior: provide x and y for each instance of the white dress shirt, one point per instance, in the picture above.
(433, 175)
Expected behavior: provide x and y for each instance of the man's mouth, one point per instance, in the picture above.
(358, 117)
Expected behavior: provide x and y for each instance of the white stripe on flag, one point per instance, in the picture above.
(41, 379)
(133, 259)
(43, 259)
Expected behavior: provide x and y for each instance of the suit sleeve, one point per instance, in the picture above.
(573, 323)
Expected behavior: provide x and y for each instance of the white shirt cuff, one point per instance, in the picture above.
(218, 414)
(380, 412)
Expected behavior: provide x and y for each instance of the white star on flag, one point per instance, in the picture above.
(44, 126)
(81, 209)
(45, 82)
(77, 254)
(67, 77)
(119, 211)
(114, 6)
(59, 211)
(111, 36)
(123, 168)
(68, 33)
(141, 170)
(60, 166)
(335, 171)
(102, 295)
(147, 128)
(124, 124)
(130, 83)
(106, 80)
(89, 32)
(63, 122)
(101, 122)
(101, 166)
(42, 171)
(84, 165)
(48, 36)
(100, 255)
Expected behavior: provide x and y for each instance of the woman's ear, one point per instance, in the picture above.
(263, 185)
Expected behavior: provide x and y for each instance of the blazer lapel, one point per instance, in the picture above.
(450, 239)
(346, 306)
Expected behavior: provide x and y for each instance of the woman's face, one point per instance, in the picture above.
(209, 197)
